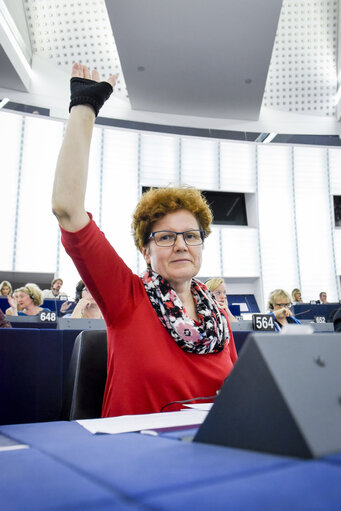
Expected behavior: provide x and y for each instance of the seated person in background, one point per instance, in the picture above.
(5, 288)
(29, 298)
(55, 291)
(296, 296)
(323, 298)
(14, 296)
(4, 323)
(218, 289)
(279, 305)
(86, 306)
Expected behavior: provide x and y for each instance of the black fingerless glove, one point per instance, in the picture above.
(89, 92)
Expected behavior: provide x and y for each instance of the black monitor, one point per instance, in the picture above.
(228, 208)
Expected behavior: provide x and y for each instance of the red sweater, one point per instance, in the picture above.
(146, 368)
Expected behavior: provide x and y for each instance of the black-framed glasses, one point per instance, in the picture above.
(168, 238)
(288, 305)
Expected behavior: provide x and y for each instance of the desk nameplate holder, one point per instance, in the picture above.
(282, 397)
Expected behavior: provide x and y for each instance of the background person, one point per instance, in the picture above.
(5, 288)
(167, 339)
(323, 298)
(55, 291)
(296, 296)
(218, 289)
(29, 298)
(13, 302)
(279, 306)
(4, 323)
(86, 306)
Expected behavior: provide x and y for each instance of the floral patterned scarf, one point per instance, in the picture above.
(207, 337)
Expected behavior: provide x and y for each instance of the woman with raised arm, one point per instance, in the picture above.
(168, 340)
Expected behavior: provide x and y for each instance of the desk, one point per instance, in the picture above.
(309, 310)
(67, 468)
(33, 368)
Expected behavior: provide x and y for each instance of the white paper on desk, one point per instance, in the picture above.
(129, 423)
(205, 407)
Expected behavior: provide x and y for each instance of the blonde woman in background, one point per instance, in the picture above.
(28, 298)
(279, 305)
(218, 289)
(5, 288)
(296, 296)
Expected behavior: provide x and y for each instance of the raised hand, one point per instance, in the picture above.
(65, 306)
(87, 89)
(81, 71)
(284, 312)
(12, 302)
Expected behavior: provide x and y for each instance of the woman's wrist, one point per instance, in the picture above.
(86, 111)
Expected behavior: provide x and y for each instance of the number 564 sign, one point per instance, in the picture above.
(263, 322)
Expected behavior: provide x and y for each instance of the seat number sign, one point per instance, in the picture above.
(48, 317)
(263, 322)
(319, 319)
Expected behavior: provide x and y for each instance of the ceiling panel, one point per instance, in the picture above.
(195, 57)
(204, 60)
(303, 72)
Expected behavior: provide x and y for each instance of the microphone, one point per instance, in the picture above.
(303, 312)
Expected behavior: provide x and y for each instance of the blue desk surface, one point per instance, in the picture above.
(65, 467)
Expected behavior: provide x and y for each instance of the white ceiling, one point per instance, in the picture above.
(196, 57)
(250, 65)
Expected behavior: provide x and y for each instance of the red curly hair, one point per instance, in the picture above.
(158, 202)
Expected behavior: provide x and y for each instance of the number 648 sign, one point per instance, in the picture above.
(49, 317)
(263, 322)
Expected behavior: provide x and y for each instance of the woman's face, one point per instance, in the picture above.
(282, 303)
(87, 295)
(23, 299)
(5, 290)
(180, 262)
(298, 296)
(220, 294)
